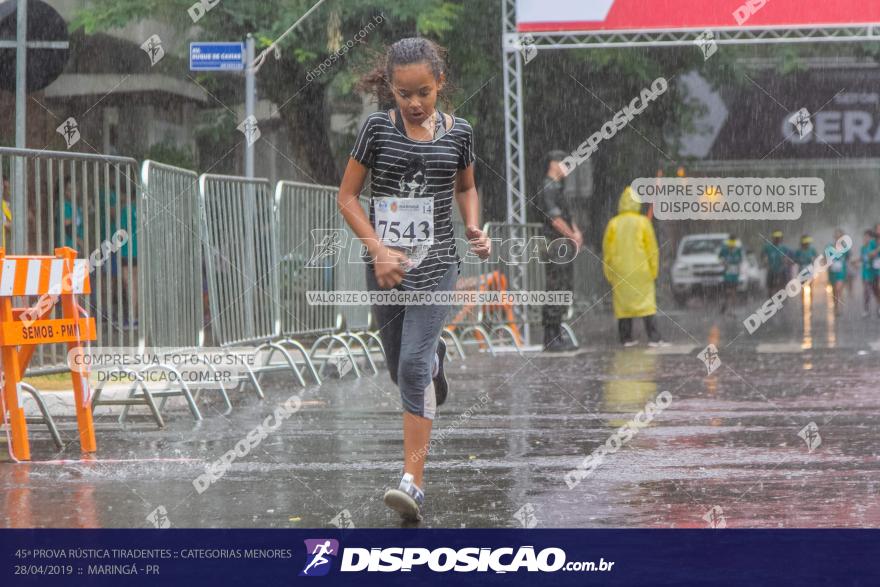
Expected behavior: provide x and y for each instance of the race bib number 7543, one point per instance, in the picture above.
(404, 222)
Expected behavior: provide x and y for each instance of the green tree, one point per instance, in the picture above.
(171, 154)
(285, 80)
(568, 94)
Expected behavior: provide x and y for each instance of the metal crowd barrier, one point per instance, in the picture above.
(171, 277)
(308, 248)
(516, 264)
(80, 200)
(242, 262)
(467, 320)
(171, 285)
(518, 256)
(238, 234)
(316, 248)
(351, 275)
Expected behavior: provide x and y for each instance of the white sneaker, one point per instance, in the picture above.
(630, 343)
(659, 343)
(407, 499)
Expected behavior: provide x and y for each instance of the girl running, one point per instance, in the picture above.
(417, 158)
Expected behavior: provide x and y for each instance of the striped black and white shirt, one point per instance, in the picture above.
(402, 167)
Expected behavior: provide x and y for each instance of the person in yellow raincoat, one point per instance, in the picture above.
(7, 221)
(6, 212)
(631, 260)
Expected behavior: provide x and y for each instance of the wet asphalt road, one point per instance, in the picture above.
(725, 452)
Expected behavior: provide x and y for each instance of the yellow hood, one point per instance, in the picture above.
(628, 202)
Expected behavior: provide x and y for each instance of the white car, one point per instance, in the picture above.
(698, 267)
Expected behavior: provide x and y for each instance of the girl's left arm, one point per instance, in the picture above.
(469, 206)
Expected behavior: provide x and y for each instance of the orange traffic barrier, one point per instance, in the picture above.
(22, 329)
(494, 281)
(497, 281)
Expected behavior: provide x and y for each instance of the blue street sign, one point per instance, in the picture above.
(216, 56)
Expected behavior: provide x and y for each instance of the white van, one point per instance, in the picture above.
(698, 267)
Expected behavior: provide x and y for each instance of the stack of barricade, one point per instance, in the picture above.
(240, 238)
(255, 253)
(172, 315)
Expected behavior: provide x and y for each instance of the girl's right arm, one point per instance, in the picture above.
(388, 264)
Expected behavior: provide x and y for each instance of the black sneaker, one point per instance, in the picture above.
(561, 343)
(441, 386)
(552, 337)
(557, 346)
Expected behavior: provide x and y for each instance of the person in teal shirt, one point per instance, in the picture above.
(70, 228)
(805, 255)
(867, 255)
(804, 258)
(107, 203)
(779, 259)
(128, 253)
(128, 223)
(731, 256)
(837, 271)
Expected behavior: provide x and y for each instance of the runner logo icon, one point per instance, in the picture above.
(320, 553)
